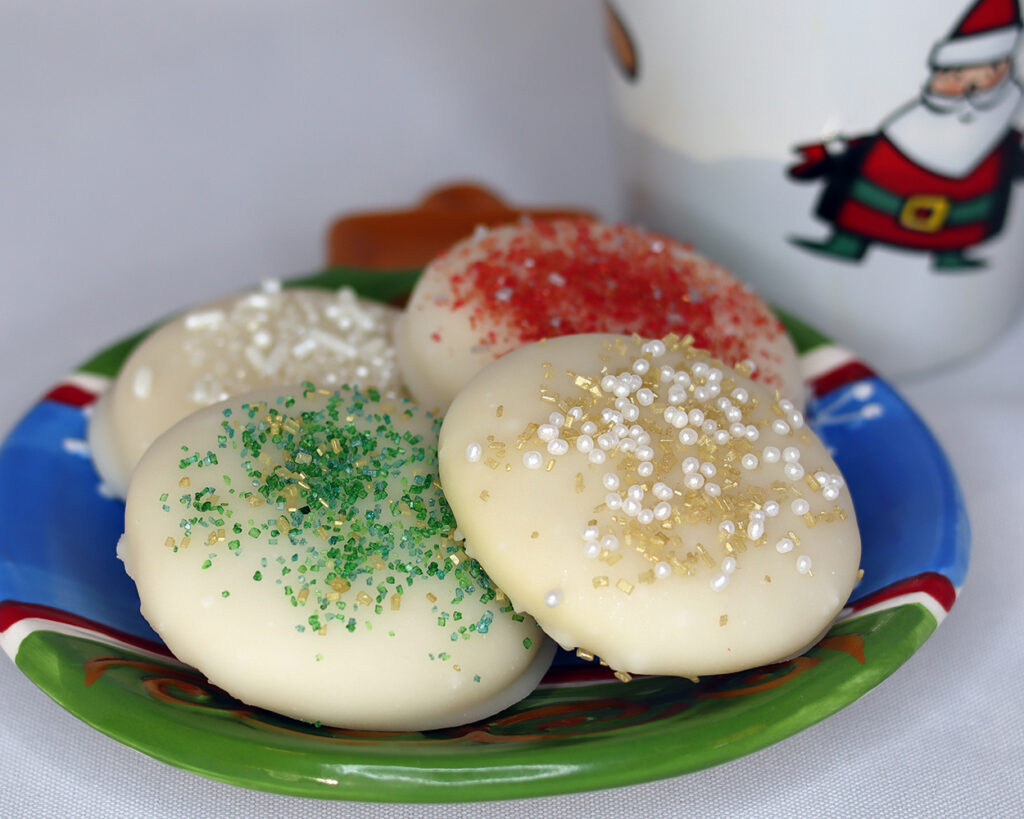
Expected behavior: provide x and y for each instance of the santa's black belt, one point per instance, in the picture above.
(923, 212)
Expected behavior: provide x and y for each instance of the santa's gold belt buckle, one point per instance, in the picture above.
(925, 212)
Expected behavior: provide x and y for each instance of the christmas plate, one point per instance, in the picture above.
(69, 618)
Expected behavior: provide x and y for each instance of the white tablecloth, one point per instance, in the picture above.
(153, 155)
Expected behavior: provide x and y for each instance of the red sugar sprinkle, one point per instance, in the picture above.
(579, 276)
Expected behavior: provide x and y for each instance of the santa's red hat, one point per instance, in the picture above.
(988, 32)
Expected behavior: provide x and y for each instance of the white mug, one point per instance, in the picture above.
(854, 161)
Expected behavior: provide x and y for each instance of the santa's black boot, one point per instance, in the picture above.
(840, 245)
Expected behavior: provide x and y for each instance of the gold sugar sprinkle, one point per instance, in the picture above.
(363, 599)
(624, 586)
(859, 576)
(457, 667)
(767, 578)
(579, 482)
(340, 585)
(500, 410)
(431, 597)
(303, 595)
(484, 495)
(534, 535)
(550, 465)
(623, 676)
(601, 581)
(723, 619)
(646, 577)
(584, 655)
(396, 602)
(185, 481)
(169, 542)
(185, 541)
(708, 560)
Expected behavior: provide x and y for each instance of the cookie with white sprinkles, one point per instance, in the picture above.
(649, 505)
(298, 551)
(259, 339)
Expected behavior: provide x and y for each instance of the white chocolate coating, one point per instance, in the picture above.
(516, 284)
(357, 609)
(229, 347)
(646, 504)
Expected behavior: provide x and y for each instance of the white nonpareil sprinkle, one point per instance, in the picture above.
(803, 564)
(719, 582)
(474, 452)
(533, 459)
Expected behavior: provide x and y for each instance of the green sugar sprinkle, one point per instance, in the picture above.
(352, 502)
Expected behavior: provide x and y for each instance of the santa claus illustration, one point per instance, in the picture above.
(936, 177)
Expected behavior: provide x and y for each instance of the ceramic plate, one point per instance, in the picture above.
(69, 618)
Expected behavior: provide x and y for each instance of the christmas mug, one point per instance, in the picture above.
(857, 163)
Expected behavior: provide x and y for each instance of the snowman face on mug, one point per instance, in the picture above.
(959, 82)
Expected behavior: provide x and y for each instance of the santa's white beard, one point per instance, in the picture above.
(951, 135)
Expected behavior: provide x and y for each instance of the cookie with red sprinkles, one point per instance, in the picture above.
(516, 284)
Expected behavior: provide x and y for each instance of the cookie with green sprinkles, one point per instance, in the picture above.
(297, 549)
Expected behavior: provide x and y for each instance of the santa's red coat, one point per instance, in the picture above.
(874, 163)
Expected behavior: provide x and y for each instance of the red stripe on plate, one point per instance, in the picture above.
(70, 394)
(11, 611)
(933, 584)
(844, 374)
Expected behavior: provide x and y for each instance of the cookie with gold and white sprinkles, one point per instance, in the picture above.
(519, 283)
(649, 505)
(260, 339)
(298, 551)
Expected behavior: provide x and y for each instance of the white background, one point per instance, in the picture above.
(159, 154)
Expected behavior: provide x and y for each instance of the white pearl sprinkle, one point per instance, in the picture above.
(613, 501)
(683, 378)
(830, 493)
(721, 437)
(749, 461)
(606, 440)
(662, 570)
(758, 515)
(737, 430)
(688, 436)
(645, 397)
(662, 511)
(794, 471)
(557, 419)
(636, 492)
(552, 598)
(707, 469)
(796, 419)
(547, 432)
(608, 383)
(709, 427)
(584, 443)
(728, 527)
(559, 446)
(702, 394)
(644, 453)
(800, 507)
(590, 533)
(474, 452)
(596, 456)
(656, 348)
(712, 490)
(645, 516)
(719, 582)
(610, 481)
(780, 427)
(666, 373)
(740, 395)
(676, 394)
(641, 366)
(771, 454)
(752, 433)
(689, 465)
(784, 545)
(700, 369)
(610, 542)
(662, 491)
(791, 455)
(771, 508)
(631, 507)
(575, 413)
(592, 550)
(588, 428)
(785, 405)
(693, 481)
(733, 414)
(755, 529)
(533, 459)
(729, 565)
(631, 412)
(803, 564)
(645, 469)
